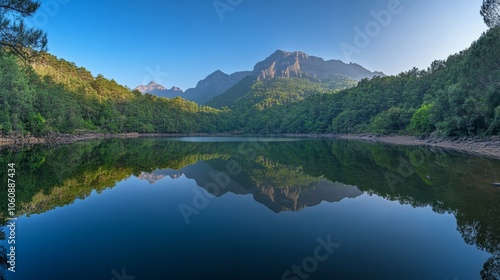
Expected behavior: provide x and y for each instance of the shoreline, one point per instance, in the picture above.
(60, 138)
(486, 147)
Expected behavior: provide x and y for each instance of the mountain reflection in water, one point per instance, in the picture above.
(284, 175)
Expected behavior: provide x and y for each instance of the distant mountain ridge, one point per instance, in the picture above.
(159, 90)
(213, 85)
(280, 64)
(276, 198)
(286, 77)
(300, 65)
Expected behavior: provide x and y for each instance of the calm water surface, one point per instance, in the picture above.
(252, 208)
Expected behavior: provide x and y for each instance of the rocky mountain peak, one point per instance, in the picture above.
(159, 90)
(213, 85)
(215, 77)
(152, 86)
(281, 64)
(177, 89)
(299, 64)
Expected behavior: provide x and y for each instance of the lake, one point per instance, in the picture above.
(250, 208)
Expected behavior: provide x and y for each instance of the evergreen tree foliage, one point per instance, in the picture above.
(15, 35)
(457, 97)
(490, 10)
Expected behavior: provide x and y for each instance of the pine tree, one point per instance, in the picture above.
(490, 10)
(15, 36)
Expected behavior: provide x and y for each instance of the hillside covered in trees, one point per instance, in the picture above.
(456, 97)
(52, 95)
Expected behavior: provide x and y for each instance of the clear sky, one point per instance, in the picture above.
(181, 42)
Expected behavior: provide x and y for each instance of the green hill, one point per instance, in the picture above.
(456, 97)
(53, 95)
(250, 93)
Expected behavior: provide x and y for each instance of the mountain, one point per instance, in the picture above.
(159, 90)
(286, 77)
(157, 175)
(38, 102)
(213, 85)
(304, 191)
(251, 93)
(301, 65)
(456, 97)
(152, 86)
(334, 74)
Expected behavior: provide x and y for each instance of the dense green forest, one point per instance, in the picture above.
(456, 97)
(261, 95)
(53, 95)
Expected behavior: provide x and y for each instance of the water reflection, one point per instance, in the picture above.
(292, 193)
(284, 175)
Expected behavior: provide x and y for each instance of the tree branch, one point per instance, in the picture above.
(25, 12)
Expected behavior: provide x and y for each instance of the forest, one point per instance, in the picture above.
(42, 95)
(51, 95)
(458, 97)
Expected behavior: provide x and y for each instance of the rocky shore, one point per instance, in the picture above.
(53, 139)
(487, 147)
(59, 138)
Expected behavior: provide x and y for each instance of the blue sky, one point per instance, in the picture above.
(181, 42)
